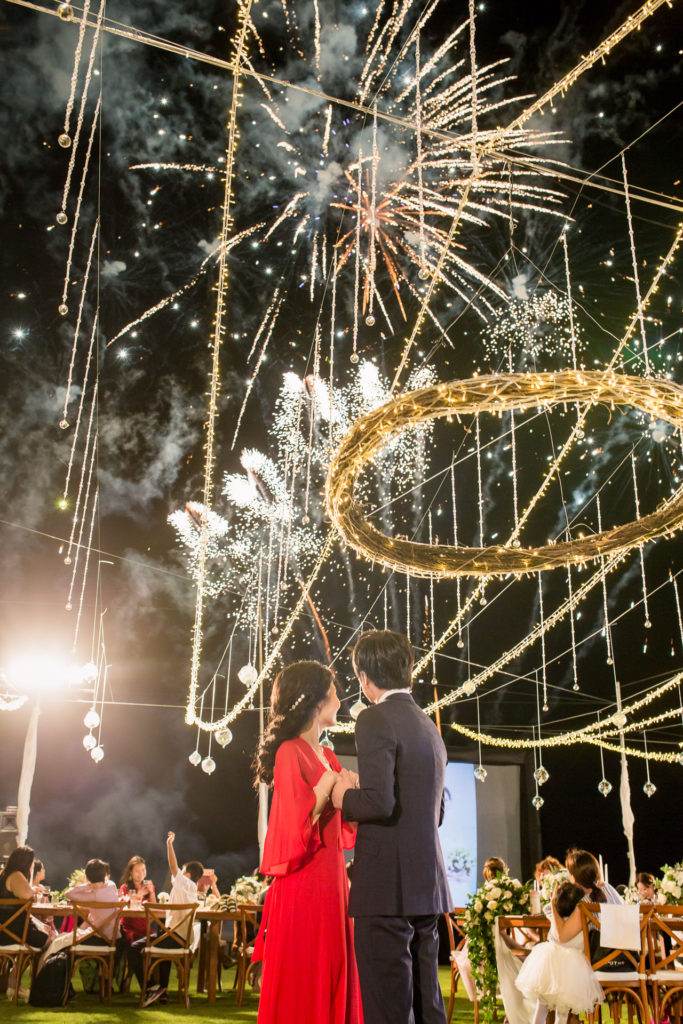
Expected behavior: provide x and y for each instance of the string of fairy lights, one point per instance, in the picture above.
(287, 570)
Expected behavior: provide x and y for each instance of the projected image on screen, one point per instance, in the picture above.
(458, 832)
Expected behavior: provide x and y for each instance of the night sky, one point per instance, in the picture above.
(157, 228)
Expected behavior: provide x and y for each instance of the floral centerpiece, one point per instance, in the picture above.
(76, 877)
(631, 894)
(549, 881)
(247, 889)
(502, 895)
(670, 886)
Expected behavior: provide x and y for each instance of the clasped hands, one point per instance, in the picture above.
(343, 780)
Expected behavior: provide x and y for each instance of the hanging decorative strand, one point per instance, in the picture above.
(636, 277)
(408, 605)
(311, 423)
(65, 139)
(370, 318)
(89, 440)
(64, 423)
(84, 384)
(386, 608)
(647, 622)
(423, 272)
(474, 155)
(575, 685)
(356, 280)
(537, 800)
(431, 607)
(77, 214)
(78, 545)
(608, 642)
(678, 608)
(85, 570)
(541, 773)
(513, 446)
(458, 593)
(542, 629)
(480, 493)
(333, 313)
(604, 785)
(480, 772)
(649, 789)
(570, 302)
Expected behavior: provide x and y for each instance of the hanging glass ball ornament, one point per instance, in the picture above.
(620, 719)
(538, 802)
(575, 686)
(480, 773)
(63, 424)
(610, 661)
(65, 12)
(647, 624)
(64, 140)
(89, 741)
(649, 789)
(247, 674)
(275, 631)
(223, 736)
(604, 787)
(61, 217)
(370, 320)
(305, 520)
(195, 758)
(67, 560)
(62, 309)
(356, 709)
(68, 606)
(461, 643)
(354, 357)
(541, 775)
(208, 765)
(91, 720)
(325, 741)
(469, 687)
(423, 273)
(97, 753)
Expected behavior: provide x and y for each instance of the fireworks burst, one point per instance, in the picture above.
(527, 329)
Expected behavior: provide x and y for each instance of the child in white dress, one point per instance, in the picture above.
(557, 973)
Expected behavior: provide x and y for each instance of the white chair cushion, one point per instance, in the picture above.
(671, 975)
(615, 977)
(100, 950)
(14, 947)
(165, 951)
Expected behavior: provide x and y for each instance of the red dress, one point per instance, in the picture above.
(306, 936)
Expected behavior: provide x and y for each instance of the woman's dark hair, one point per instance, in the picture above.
(386, 657)
(96, 870)
(38, 866)
(585, 870)
(127, 876)
(567, 898)
(494, 866)
(21, 859)
(645, 878)
(297, 691)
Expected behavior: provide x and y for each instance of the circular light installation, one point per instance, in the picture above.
(496, 394)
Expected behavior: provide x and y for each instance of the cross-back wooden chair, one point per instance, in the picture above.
(98, 943)
(14, 950)
(622, 973)
(243, 947)
(170, 945)
(456, 941)
(665, 948)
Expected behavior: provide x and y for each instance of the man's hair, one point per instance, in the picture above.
(194, 869)
(385, 657)
(96, 870)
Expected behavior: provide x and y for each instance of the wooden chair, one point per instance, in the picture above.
(15, 951)
(621, 987)
(103, 952)
(170, 945)
(665, 978)
(456, 941)
(243, 947)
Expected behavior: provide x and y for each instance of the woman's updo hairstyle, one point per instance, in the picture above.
(297, 692)
(585, 870)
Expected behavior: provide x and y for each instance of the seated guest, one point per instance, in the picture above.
(547, 866)
(208, 883)
(645, 884)
(15, 884)
(494, 866)
(183, 890)
(584, 870)
(134, 883)
(98, 888)
(38, 878)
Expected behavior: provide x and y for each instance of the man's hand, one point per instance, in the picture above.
(340, 787)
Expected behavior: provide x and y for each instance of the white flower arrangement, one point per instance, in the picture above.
(669, 888)
(548, 883)
(631, 894)
(247, 889)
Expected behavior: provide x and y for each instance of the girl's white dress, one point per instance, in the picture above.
(559, 975)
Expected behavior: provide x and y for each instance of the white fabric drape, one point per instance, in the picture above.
(28, 767)
(518, 1010)
(627, 815)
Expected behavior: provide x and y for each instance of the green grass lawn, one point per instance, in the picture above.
(87, 1009)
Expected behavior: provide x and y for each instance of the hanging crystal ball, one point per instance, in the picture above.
(620, 719)
(89, 741)
(92, 719)
(247, 675)
(541, 775)
(305, 520)
(64, 140)
(461, 644)
(538, 802)
(223, 736)
(354, 357)
(370, 320)
(208, 765)
(604, 787)
(65, 12)
(356, 709)
(63, 309)
(194, 758)
(68, 606)
(480, 773)
(63, 424)
(325, 741)
(61, 217)
(423, 273)
(647, 624)
(649, 789)
(575, 686)
(469, 688)
(97, 753)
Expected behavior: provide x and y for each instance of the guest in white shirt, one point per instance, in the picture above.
(183, 890)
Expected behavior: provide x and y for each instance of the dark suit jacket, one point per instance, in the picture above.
(398, 868)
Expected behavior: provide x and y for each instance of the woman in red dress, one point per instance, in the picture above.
(306, 936)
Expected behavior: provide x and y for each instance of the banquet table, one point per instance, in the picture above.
(214, 919)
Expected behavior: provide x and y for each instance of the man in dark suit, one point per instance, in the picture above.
(399, 886)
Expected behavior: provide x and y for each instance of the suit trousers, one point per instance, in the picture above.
(398, 969)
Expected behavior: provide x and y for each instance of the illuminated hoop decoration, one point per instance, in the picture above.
(496, 394)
